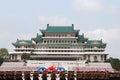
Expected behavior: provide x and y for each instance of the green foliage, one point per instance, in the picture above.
(3, 52)
(88, 61)
(115, 62)
(3, 55)
(25, 56)
(1, 60)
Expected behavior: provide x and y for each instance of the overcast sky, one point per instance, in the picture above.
(97, 19)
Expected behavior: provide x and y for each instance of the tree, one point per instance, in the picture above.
(3, 52)
(1, 60)
(115, 62)
(3, 55)
(25, 56)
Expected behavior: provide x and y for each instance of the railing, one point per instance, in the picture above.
(69, 53)
(23, 48)
(70, 49)
(33, 56)
(59, 37)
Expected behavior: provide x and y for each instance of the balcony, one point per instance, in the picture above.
(69, 49)
(60, 37)
(50, 56)
(23, 48)
(94, 49)
(59, 53)
(58, 49)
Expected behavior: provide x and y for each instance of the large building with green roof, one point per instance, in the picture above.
(60, 45)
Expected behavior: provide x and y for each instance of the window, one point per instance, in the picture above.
(84, 57)
(101, 57)
(74, 41)
(105, 57)
(95, 58)
(68, 41)
(56, 41)
(44, 41)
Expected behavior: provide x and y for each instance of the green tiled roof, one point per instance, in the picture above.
(23, 42)
(81, 37)
(95, 42)
(60, 29)
(38, 37)
(60, 44)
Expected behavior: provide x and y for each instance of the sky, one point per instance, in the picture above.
(97, 19)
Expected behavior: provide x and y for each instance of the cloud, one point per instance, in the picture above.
(7, 38)
(26, 36)
(4, 35)
(92, 6)
(54, 20)
(109, 36)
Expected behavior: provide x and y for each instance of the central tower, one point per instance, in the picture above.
(65, 43)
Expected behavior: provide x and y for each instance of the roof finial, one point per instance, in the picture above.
(83, 34)
(37, 34)
(47, 25)
(72, 25)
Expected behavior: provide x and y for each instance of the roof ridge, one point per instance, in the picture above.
(60, 26)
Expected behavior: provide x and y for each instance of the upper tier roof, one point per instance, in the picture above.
(23, 42)
(60, 29)
(81, 37)
(37, 38)
(95, 42)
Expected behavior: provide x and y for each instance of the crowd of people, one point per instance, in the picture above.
(70, 75)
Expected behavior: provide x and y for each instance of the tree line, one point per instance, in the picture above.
(3, 54)
(115, 62)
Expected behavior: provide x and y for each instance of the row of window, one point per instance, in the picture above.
(57, 55)
(59, 35)
(83, 47)
(23, 50)
(60, 41)
(55, 59)
(13, 57)
(24, 46)
(103, 57)
(59, 48)
(68, 51)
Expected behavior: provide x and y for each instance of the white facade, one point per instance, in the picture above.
(60, 45)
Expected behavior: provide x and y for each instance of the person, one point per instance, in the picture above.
(35, 76)
(62, 76)
(7, 77)
(106, 75)
(71, 75)
(44, 75)
(18, 75)
(2, 76)
(53, 75)
(111, 77)
(27, 76)
(78, 75)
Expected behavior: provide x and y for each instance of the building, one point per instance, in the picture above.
(60, 46)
